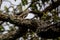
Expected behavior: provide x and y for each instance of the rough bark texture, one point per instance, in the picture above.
(28, 23)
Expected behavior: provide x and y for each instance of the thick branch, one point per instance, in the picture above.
(24, 23)
(51, 31)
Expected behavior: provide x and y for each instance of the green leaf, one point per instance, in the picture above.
(1, 28)
(6, 8)
(56, 18)
(45, 16)
(19, 8)
(24, 2)
(34, 7)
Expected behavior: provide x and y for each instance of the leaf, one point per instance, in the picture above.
(5, 8)
(56, 18)
(24, 2)
(1, 28)
(45, 16)
(34, 7)
(19, 8)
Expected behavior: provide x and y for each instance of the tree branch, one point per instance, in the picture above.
(24, 23)
(52, 6)
(49, 8)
